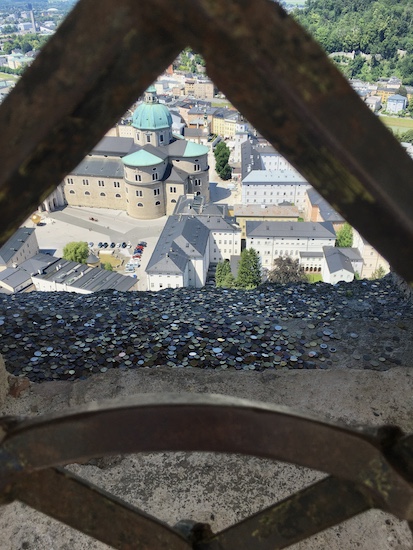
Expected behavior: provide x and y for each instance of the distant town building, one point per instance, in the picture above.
(303, 241)
(396, 103)
(21, 246)
(200, 88)
(278, 187)
(373, 102)
(244, 213)
(201, 235)
(340, 264)
(145, 173)
(372, 260)
(67, 276)
(317, 209)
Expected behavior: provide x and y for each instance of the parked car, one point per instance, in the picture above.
(112, 245)
(142, 243)
(91, 244)
(105, 245)
(100, 245)
(124, 245)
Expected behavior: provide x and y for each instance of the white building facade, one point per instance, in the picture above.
(302, 241)
(275, 187)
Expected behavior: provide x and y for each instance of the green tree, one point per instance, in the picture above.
(108, 266)
(8, 47)
(222, 271)
(345, 236)
(229, 281)
(226, 172)
(76, 251)
(378, 273)
(286, 270)
(249, 270)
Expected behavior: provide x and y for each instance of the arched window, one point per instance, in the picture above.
(103, 194)
(173, 200)
(87, 193)
(71, 192)
(157, 203)
(140, 204)
(117, 196)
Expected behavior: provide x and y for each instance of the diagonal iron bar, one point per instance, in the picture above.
(83, 506)
(209, 423)
(296, 518)
(80, 504)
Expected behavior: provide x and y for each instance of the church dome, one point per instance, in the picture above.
(151, 115)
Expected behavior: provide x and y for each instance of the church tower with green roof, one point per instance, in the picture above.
(152, 121)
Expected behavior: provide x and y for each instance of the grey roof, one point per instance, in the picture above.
(336, 260)
(14, 277)
(39, 261)
(327, 212)
(95, 167)
(250, 159)
(188, 205)
(311, 254)
(397, 97)
(177, 148)
(183, 238)
(218, 223)
(12, 245)
(277, 177)
(92, 259)
(314, 230)
(83, 277)
(202, 110)
(114, 146)
(353, 254)
(266, 210)
(195, 132)
(175, 175)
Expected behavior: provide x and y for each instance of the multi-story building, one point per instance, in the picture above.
(145, 173)
(317, 209)
(276, 187)
(244, 213)
(225, 123)
(303, 241)
(372, 260)
(21, 246)
(190, 242)
(200, 88)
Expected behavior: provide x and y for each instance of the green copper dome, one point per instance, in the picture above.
(151, 115)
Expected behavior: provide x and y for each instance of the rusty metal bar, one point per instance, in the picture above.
(207, 423)
(73, 93)
(284, 84)
(296, 518)
(83, 506)
(87, 508)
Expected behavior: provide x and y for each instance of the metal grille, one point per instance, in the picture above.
(279, 78)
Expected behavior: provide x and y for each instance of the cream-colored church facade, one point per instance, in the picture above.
(144, 174)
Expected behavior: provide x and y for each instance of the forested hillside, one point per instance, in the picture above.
(376, 27)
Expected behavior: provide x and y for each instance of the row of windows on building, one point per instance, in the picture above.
(101, 183)
(118, 196)
(278, 193)
(116, 184)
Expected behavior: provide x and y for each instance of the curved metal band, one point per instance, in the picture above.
(207, 423)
